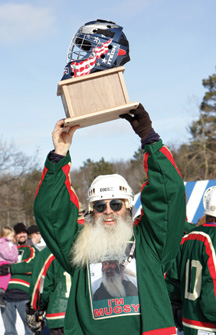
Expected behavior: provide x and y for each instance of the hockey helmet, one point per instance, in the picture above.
(97, 45)
(209, 201)
(107, 187)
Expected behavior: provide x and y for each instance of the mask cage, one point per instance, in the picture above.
(81, 45)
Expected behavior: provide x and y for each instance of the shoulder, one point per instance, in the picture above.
(3, 240)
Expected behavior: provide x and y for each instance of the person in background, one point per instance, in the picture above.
(192, 278)
(56, 283)
(17, 293)
(174, 289)
(8, 255)
(34, 234)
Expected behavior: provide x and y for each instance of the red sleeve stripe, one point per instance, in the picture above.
(19, 282)
(42, 178)
(35, 293)
(169, 156)
(210, 251)
(53, 316)
(145, 162)
(146, 183)
(161, 331)
(31, 256)
(73, 197)
(137, 221)
(199, 324)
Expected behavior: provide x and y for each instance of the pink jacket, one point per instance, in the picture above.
(8, 251)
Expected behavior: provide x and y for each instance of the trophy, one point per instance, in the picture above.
(92, 88)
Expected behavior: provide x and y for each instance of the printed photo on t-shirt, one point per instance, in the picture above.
(113, 286)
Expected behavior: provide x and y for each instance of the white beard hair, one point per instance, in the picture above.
(95, 240)
(114, 285)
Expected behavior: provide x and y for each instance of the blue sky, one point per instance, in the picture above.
(172, 48)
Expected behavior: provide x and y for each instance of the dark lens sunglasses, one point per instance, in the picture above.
(115, 204)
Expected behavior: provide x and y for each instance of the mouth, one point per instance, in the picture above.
(109, 274)
(109, 221)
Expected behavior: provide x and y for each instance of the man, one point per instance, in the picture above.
(174, 288)
(34, 234)
(191, 280)
(108, 228)
(17, 293)
(53, 300)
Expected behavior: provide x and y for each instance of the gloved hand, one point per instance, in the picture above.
(5, 269)
(34, 319)
(140, 121)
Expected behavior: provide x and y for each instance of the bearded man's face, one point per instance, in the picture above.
(105, 234)
(109, 268)
(21, 237)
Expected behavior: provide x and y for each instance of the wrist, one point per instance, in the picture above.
(60, 152)
(54, 157)
(151, 138)
(61, 149)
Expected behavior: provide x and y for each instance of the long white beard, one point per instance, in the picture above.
(97, 241)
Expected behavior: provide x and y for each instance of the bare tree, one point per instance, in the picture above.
(196, 159)
(14, 165)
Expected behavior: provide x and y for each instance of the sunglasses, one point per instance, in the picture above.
(115, 204)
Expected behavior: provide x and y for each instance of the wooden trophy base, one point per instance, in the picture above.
(95, 98)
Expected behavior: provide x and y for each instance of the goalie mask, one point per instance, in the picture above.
(98, 45)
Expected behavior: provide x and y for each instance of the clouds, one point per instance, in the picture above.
(24, 22)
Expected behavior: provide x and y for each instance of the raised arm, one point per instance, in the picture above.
(56, 205)
(62, 137)
(162, 196)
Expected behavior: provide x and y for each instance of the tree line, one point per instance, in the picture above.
(20, 174)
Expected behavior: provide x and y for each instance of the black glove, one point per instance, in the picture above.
(177, 315)
(140, 121)
(34, 319)
(5, 269)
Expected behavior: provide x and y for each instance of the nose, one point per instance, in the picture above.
(108, 209)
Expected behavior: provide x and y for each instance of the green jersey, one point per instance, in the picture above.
(192, 280)
(157, 235)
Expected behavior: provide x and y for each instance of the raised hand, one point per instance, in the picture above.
(62, 137)
(139, 120)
